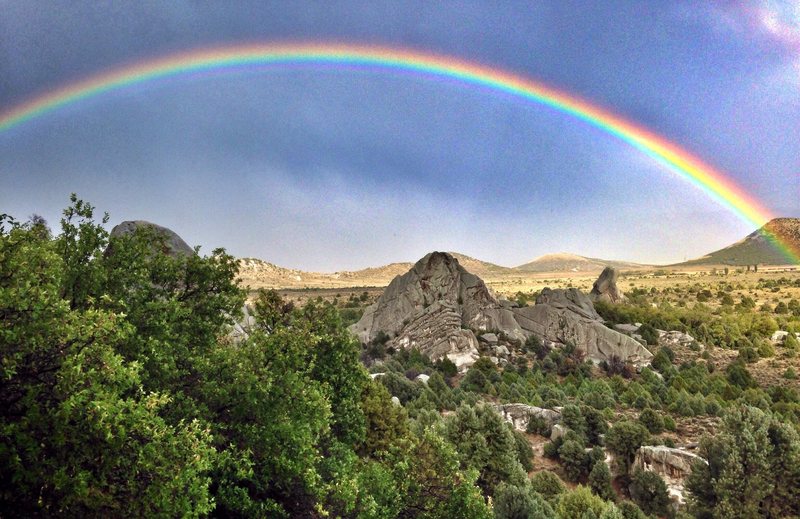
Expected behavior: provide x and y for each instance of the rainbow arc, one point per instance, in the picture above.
(711, 181)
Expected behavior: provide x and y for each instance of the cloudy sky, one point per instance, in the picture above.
(330, 168)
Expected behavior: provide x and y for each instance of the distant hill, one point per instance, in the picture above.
(758, 247)
(564, 262)
(478, 267)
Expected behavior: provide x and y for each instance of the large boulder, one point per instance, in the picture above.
(520, 415)
(172, 245)
(673, 465)
(434, 307)
(605, 288)
(562, 316)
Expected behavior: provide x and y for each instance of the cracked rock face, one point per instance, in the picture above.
(434, 307)
(563, 316)
(437, 304)
(673, 465)
(605, 288)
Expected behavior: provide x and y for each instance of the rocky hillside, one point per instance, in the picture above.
(564, 262)
(442, 309)
(765, 246)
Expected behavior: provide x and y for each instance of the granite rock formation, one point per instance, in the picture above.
(173, 244)
(605, 288)
(437, 306)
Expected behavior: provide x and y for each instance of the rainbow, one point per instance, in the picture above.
(679, 161)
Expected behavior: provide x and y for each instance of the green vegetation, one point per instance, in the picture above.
(124, 394)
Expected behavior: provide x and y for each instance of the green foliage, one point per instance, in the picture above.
(652, 420)
(485, 443)
(579, 502)
(67, 395)
(649, 491)
(600, 481)
(752, 468)
(624, 439)
(648, 333)
(548, 485)
(573, 457)
(513, 502)
(524, 451)
(630, 510)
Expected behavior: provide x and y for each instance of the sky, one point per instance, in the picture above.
(338, 168)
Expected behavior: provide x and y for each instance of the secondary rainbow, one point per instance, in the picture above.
(711, 181)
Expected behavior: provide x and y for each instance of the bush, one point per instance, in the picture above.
(547, 484)
(652, 420)
(579, 503)
(648, 333)
(600, 481)
(513, 502)
(573, 457)
(649, 491)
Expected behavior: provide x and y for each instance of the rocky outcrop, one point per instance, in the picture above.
(437, 306)
(434, 307)
(520, 415)
(605, 288)
(563, 316)
(172, 244)
(673, 465)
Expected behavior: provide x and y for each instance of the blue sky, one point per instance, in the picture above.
(327, 169)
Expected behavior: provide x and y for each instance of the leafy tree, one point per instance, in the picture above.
(751, 471)
(600, 481)
(484, 442)
(649, 491)
(579, 502)
(547, 484)
(512, 502)
(624, 439)
(573, 457)
(67, 395)
(653, 421)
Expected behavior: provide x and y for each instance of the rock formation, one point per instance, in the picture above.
(605, 288)
(520, 415)
(434, 307)
(437, 306)
(173, 244)
(673, 465)
(562, 316)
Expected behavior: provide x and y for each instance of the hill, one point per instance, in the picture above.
(565, 262)
(759, 247)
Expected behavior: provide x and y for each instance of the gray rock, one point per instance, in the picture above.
(396, 401)
(434, 307)
(605, 288)
(373, 376)
(563, 316)
(673, 465)
(558, 431)
(489, 338)
(422, 377)
(502, 351)
(519, 415)
(173, 244)
(674, 338)
(627, 329)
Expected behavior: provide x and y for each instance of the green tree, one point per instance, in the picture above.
(649, 491)
(512, 502)
(624, 439)
(600, 481)
(577, 503)
(67, 395)
(547, 484)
